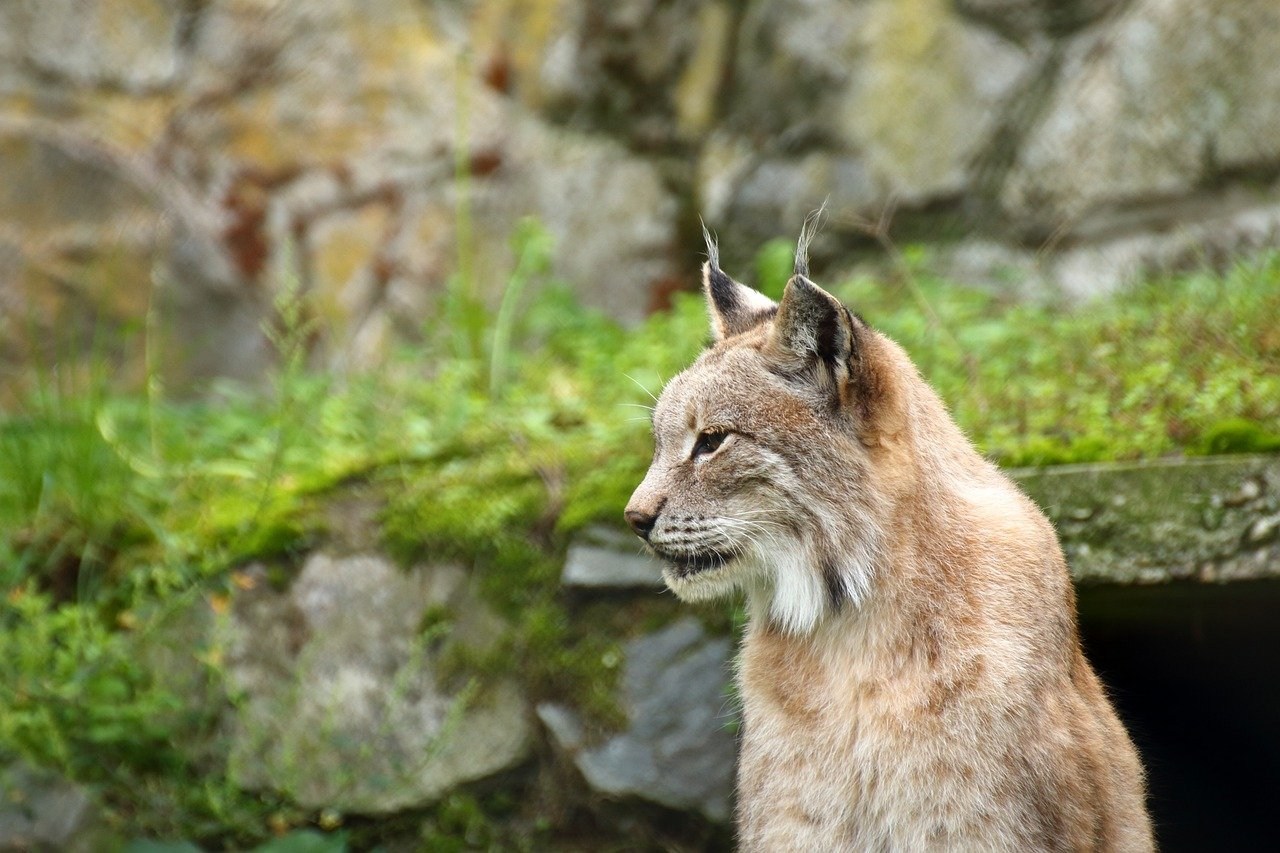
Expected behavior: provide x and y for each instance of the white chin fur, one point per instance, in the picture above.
(706, 585)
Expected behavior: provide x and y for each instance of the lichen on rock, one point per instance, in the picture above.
(337, 694)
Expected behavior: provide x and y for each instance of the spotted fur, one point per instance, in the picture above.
(911, 676)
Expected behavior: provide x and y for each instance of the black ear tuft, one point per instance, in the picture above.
(734, 307)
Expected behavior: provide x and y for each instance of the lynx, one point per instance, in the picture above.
(911, 674)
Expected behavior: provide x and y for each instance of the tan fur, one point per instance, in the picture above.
(911, 676)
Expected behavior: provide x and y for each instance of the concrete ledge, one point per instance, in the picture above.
(1208, 519)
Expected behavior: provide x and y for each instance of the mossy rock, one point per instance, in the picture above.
(1212, 519)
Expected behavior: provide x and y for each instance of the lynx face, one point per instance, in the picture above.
(760, 480)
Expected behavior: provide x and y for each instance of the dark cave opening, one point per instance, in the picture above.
(1194, 670)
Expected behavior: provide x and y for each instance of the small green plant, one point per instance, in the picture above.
(72, 696)
(70, 494)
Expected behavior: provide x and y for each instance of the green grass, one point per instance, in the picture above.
(1162, 369)
(493, 448)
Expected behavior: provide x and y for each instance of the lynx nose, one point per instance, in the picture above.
(641, 522)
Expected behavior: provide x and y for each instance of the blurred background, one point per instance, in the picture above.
(327, 330)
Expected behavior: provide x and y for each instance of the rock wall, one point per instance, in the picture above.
(336, 696)
(187, 161)
(182, 161)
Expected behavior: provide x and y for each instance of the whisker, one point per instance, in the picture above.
(751, 524)
(641, 386)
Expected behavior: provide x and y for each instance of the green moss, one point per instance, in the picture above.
(1042, 451)
(1156, 520)
(1237, 436)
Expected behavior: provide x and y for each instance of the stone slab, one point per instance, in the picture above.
(607, 559)
(1209, 519)
(677, 749)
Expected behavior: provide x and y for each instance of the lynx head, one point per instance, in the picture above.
(777, 454)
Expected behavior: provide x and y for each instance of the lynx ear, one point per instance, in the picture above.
(734, 307)
(814, 328)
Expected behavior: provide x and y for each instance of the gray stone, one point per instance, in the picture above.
(796, 59)
(1172, 94)
(563, 724)
(871, 105)
(1262, 531)
(925, 97)
(604, 558)
(1217, 233)
(336, 692)
(639, 70)
(759, 196)
(1165, 520)
(611, 216)
(1107, 266)
(40, 810)
(131, 44)
(676, 749)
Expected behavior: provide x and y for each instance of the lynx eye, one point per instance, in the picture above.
(708, 442)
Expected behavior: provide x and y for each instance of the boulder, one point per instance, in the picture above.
(677, 749)
(40, 810)
(338, 693)
(926, 96)
(873, 104)
(1171, 96)
(612, 217)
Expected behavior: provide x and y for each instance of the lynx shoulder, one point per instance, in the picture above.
(911, 674)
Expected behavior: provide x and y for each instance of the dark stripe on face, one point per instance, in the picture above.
(831, 580)
(835, 586)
